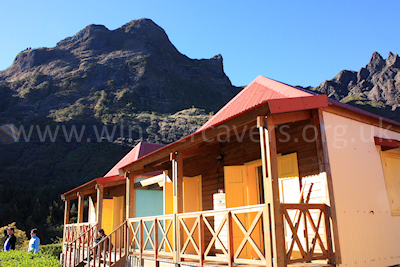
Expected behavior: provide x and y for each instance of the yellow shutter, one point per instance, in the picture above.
(192, 194)
(236, 186)
(391, 169)
(168, 198)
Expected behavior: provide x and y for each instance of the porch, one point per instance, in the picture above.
(241, 237)
(272, 173)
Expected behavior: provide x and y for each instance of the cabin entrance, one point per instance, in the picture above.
(113, 213)
(244, 187)
(192, 201)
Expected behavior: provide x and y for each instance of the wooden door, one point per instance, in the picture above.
(238, 195)
(118, 215)
(118, 211)
(107, 220)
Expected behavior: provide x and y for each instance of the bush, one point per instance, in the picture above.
(52, 249)
(25, 259)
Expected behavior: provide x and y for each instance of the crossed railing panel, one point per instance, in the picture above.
(229, 240)
(74, 230)
(308, 232)
(152, 236)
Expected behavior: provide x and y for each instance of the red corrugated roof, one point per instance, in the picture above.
(137, 152)
(257, 92)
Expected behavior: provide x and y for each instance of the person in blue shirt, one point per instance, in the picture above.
(34, 242)
(10, 239)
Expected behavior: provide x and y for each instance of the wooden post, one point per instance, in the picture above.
(67, 207)
(231, 249)
(80, 206)
(156, 262)
(99, 214)
(128, 195)
(270, 248)
(325, 168)
(177, 179)
(202, 248)
(132, 197)
(141, 248)
(128, 208)
(66, 217)
(278, 234)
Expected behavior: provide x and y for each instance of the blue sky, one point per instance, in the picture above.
(296, 42)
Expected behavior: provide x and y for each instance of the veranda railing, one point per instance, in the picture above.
(152, 237)
(74, 250)
(231, 236)
(73, 230)
(308, 232)
(110, 249)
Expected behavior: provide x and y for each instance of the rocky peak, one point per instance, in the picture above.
(345, 77)
(217, 58)
(148, 32)
(142, 24)
(89, 38)
(393, 60)
(376, 63)
(375, 88)
(362, 74)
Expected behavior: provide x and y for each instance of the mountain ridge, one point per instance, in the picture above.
(374, 88)
(135, 65)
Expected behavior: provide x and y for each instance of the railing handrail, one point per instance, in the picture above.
(79, 224)
(196, 213)
(159, 217)
(76, 246)
(108, 236)
(168, 216)
(106, 248)
(304, 205)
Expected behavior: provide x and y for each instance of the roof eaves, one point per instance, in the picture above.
(361, 111)
(77, 189)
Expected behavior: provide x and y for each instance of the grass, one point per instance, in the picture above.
(25, 259)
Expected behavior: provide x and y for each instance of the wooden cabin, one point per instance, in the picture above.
(278, 177)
